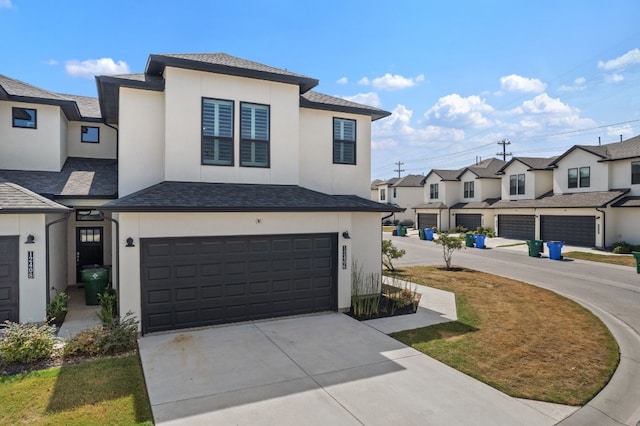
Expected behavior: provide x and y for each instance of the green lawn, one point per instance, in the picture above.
(109, 391)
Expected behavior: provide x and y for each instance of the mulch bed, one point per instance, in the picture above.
(385, 310)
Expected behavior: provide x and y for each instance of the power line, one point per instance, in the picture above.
(399, 170)
(504, 152)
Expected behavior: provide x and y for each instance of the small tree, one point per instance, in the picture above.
(449, 244)
(389, 253)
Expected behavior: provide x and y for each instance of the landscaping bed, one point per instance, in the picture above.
(393, 301)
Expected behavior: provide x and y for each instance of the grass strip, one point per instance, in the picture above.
(617, 259)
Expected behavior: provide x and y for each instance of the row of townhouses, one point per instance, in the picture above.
(215, 188)
(588, 196)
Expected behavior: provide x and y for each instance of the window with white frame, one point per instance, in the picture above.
(383, 194)
(344, 141)
(433, 191)
(254, 135)
(516, 184)
(469, 189)
(217, 132)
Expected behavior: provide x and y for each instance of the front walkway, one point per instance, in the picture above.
(80, 315)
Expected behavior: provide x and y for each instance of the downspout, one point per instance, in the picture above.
(387, 216)
(46, 250)
(117, 290)
(604, 228)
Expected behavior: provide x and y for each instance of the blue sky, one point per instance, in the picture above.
(458, 76)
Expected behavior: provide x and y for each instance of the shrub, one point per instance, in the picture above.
(57, 309)
(622, 247)
(24, 343)
(365, 292)
(389, 253)
(108, 306)
(459, 229)
(387, 222)
(449, 244)
(119, 337)
(480, 230)
(406, 222)
(396, 221)
(87, 342)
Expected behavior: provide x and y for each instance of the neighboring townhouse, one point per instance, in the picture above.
(403, 192)
(374, 189)
(219, 190)
(460, 197)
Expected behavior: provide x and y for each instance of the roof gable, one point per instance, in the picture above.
(16, 199)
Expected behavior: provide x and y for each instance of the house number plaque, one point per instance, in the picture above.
(30, 264)
(344, 257)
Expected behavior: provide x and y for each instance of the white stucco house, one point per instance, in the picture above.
(404, 192)
(217, 189)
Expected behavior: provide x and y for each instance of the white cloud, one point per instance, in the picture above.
(454, 110)
(544, 113)
(613, 78)
(626, 130)
(383, 143)
(395, 81)
(517, 83)
(580, 80)
(543, 104)
(364, 81)
(631, 57)
(93, 67)
(342, 80)
(578, 85)
(370, 98)
(51, 62)
(5, 4)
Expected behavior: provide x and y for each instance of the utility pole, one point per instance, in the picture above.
(504, 152)
(399, 170)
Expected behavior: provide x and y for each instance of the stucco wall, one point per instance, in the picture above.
(517, 168)
(576, 159)
(408, 198)
(317, 170)
(141, 146)
(31, 149)
(58, 254)
(489, 188)
(64, 125)
(621, 176)
(364, 244)
(469, 177)
(622, 225)
(106, 148)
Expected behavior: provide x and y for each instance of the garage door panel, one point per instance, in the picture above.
(469, 221)
(427, 220)
(519, 227)
(186, 271)
(572, 230)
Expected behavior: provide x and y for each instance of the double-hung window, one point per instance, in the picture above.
(433, 191)
(254, 135)
(24, 117)
(469, 189)
(217, 132)
(383, 194)
(344, 141)
(516, 184)
(579, 177)
(635, 172)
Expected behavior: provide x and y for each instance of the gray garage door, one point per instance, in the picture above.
(573, 230)
(9, 279)
(192, 282)
(427, 220)
(469, 221)
(518, 227)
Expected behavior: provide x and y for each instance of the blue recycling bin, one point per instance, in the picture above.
(428, 233)
(480, 241)
(555, 249)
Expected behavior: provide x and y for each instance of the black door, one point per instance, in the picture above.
(572, 230)
(9, 279)
(427, 220)
(469, 221)
(192, 282)
(517, 226)
(89, 248)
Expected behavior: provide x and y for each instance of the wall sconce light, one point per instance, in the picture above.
(597, 217)
(346, 235)
(30, 239)
(130, 242)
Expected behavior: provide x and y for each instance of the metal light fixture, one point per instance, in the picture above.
(130, 242)
(346, 235)
(30, 239)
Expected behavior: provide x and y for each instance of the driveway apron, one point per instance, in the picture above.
(313, 370)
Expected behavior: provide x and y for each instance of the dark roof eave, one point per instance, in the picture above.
(196, 209)
(109, 93)
(375, 115)
(34, 210)
(70, 108)
(85, 197)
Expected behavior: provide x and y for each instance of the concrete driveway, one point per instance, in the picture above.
(313, 370)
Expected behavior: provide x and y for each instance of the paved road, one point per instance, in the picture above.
(611, 292)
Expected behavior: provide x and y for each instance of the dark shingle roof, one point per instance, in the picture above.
(79, 177)
(89, 107)
(489, 202)
(629, 148)
(231, 197)
(485, 169)
(16, 199)
(627, 202)
(375, 183)
(444, 174)
(575, 200)
(315, 100)
(434, 205)
(533, 163)
(409, 181)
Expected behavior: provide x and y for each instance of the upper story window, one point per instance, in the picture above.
(579, 177)
(217, 132)
(395, 194)
(516, 184)
(25, 118)
(433, 191)
(469, 189)
(635, 172)
(383, 194)
(254, 135)
(89, 134)
(344, 141)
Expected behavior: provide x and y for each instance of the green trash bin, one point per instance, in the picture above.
(95, 282)
(403, 231)
(636, 254)
(535, 247)
(468, 239)
(421, 234)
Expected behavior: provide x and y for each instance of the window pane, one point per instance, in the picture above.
(24, 117)
(254, 122)
(585, 177)
(573, 178)
(217, 151)
(513, 181)
(344, 152)
(217, 118)
(90, 134)
(254, 153)
(635, 172)
(521, 184)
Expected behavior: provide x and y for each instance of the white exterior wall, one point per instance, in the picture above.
(576, 159)
(364, 245)
(32, 149)
(317, 170)
(106, 148)
(489, 188)
(622, 225)
(141, 150)
(517, 168)
(32, 293)
(621, 176)
(386, 198)
(408, 198)
(543, 182)
(469, 177)
(58, 255)
(64, 125)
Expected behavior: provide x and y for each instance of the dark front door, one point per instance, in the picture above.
(9, 279)
(200, 281)
(89, 248)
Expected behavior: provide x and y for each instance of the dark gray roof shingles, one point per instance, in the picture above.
(312, 99)
(14, 198)
(477, 204)
(231, 197)
(409, 181)
(574, 200)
